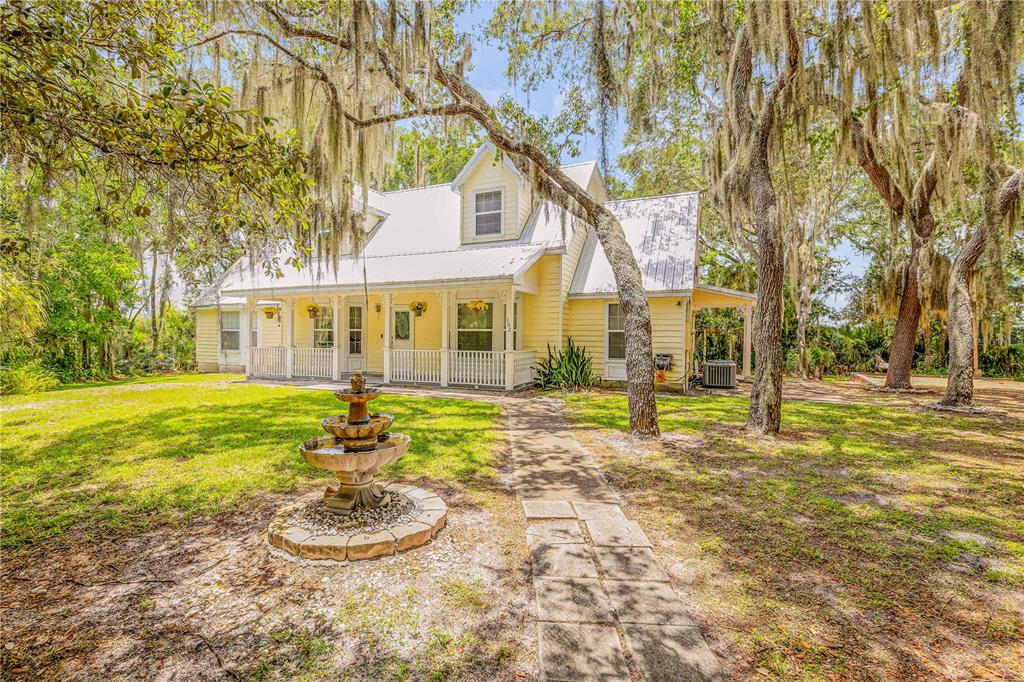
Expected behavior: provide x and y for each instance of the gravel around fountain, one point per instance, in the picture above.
(317, 519)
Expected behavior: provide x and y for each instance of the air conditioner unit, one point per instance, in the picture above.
(719, 374)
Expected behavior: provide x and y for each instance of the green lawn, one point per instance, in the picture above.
(865, 541)
(128, 455)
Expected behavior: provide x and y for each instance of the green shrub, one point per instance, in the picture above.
(27, 378)
(570, 369)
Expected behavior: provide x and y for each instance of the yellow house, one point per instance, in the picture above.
(466, 284)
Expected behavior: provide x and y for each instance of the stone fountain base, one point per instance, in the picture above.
(418, 516)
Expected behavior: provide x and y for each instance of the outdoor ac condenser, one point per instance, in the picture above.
(719, 374)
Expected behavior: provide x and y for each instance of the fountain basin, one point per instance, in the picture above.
(360, 436)
(358, 413)
(355, 469)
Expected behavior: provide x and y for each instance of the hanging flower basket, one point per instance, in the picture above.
(313, 310)
(269, 312)
(418, 308)
(477, 306)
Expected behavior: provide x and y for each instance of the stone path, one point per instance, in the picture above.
(605, 608)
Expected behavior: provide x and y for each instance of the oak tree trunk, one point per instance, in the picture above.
(765, 414)
(801, 341)
(643, 410)
(901, 354)
(962, 342)
(960, 383)
(154, 326)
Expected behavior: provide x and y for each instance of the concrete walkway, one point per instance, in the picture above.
(605, 608)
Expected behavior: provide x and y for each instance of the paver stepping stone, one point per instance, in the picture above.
(554, 532)
(547, 509)
(646, 602)
(669, 653)
(598, 510)
(562, 561)
(607, 533)
(577, 653)
(571, 600)
(630, 563)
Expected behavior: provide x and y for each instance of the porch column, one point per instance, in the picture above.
(510, 353)
(289, 308)
(977, 333)
(445, 305)
(336, 336)
(248, 342)
(342, 345)
(387, 338)
(747, 312)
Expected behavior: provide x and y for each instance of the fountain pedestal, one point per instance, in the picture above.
(368, 525)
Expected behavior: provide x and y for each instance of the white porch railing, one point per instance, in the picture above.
(477, 368)
(418, 366)
(268, 361)
(524, 367)
(313, 362)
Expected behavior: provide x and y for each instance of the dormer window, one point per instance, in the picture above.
(488, 212)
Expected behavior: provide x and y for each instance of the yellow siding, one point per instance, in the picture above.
(207, 342)
(585, 323)
(490, 175)
(542, 312)
(578, 235)
(373, 349)
(668, 333)
(271, 331)
(427, 327)
(525, 196)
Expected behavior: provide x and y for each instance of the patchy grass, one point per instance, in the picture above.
(124, 456)
(865, 541)
(137, 514)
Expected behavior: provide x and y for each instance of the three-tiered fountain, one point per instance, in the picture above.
(360, 518)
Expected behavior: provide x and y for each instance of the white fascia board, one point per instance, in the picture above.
(672, 293)
(374, 287)
(728, 292)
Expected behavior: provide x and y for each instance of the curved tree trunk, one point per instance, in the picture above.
(643, 410)
(960, 382)
(901, 354)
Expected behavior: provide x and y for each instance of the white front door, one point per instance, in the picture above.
(356, 339)
(402, 330)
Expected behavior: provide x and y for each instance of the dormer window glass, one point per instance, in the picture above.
(488, 212)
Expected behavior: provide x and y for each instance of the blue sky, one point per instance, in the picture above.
(488, 76)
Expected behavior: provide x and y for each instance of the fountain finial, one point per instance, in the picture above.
(358, 382)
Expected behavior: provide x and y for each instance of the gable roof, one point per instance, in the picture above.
(486, 147)
(418, 241)
(662, 232)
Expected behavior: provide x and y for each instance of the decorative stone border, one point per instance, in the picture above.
(303, 544)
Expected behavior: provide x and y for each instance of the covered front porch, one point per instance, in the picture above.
(449, 337)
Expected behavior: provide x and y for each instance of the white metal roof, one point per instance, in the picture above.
(485, 263)
(663, 234)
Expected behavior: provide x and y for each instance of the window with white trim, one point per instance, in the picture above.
(475, 327)
(254, 329)
(229, 331)
(616, 333)
(355, 330)
(323, 328)
(488, 212)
